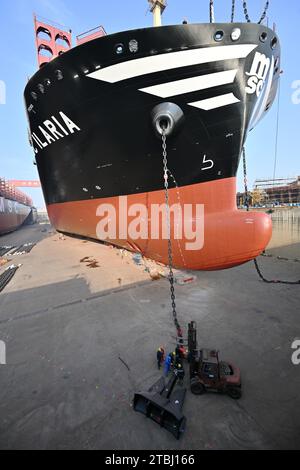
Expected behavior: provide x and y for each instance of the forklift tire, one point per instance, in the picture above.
(197, 388)
(234, 392)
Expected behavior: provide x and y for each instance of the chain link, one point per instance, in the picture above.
(245, 7)
(232, 11)
(170, 253)
(268, 281)
(245, 180)
(246, 12)
(263, 15)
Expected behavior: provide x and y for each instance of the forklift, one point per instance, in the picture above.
(163, 402)
(208, 373)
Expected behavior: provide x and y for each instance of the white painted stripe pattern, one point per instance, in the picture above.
(215, 102)
(188, 85)
(171, 60)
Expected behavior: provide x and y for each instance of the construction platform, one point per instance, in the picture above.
(82, 322)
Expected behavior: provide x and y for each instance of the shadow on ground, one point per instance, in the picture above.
(64, 385)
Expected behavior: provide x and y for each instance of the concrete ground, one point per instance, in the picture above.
(66, 326)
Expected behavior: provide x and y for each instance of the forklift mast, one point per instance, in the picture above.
(192, 347)
(192, 339)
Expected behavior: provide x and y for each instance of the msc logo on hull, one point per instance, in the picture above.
(258, 74)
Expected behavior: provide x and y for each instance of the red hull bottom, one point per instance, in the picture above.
(231, 237)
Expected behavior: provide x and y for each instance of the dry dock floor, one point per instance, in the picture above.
(66, 325)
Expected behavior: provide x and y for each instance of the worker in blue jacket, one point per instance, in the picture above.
(168, 363)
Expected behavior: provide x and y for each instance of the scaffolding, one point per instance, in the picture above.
(279, 191)
(9, 191)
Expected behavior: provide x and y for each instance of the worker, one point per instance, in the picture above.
(180, 351)
(179, 371)
(160, 357)
(173, 358)
(168, 363)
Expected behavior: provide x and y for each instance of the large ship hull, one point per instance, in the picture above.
(12, 215)
(93, 136)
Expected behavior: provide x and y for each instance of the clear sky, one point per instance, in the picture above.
(18, 62)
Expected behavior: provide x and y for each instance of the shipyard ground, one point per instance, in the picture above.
(66, 325)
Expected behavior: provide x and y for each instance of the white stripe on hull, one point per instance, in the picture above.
(215, 102)
(171, 60)
(190, 85)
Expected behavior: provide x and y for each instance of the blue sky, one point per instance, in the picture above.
(18, 62)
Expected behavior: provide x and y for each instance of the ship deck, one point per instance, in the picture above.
(66, 326)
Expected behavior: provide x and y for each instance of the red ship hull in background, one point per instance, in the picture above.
(16, 208)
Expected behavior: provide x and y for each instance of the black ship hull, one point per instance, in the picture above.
(91, 121)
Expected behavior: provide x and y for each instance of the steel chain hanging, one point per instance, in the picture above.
(263, 15)
(268, 281)
(245, 7)
(245, 180)
(232, 11)
(170, 253)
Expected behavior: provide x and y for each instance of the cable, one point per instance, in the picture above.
(211, 11)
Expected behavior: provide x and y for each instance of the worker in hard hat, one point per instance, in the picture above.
(173, 358)
(160, 355)
(179, 371)
(181, 352)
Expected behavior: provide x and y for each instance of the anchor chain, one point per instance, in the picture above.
(232, 11)
(263, 15)
(170, 252)
(245, 7)
(245, 180)
(268, 281)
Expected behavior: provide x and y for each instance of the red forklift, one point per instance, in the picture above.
(208, 373)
